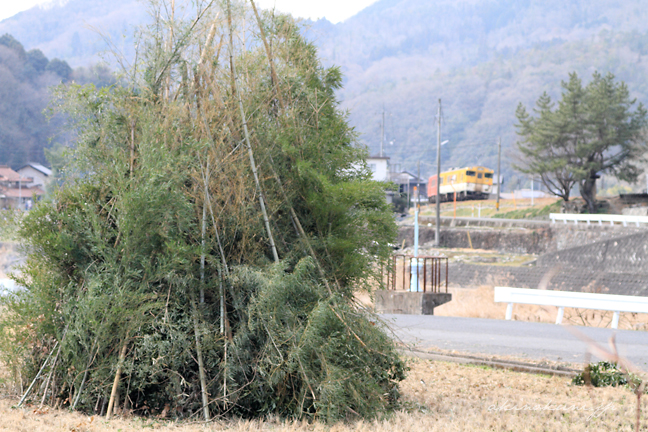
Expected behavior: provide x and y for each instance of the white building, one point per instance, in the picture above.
(40, 175)
(379, 166)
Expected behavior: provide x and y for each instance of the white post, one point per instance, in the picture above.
(509, 311)
(615, 320)
(416, 223)
(561, 312)
(479, 211)
(414, 284)
(532, 192)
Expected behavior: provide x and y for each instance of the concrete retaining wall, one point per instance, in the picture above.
(628, 254)
(410, 303)
(539, 240)
(566, 279)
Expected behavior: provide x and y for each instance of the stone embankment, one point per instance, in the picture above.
(572, 257)
(535, 239)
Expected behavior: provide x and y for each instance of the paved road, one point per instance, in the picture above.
(536, 341)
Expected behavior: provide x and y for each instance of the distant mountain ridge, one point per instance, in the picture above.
(481, 57)
(67, 28)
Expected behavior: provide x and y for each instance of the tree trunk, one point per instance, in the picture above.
(588, 192)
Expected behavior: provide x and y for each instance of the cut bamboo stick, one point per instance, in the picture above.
(113, 393)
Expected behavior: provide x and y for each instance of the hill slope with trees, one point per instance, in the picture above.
(480, 57)
(26, 79)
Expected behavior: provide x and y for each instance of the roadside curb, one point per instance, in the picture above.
(492, 362)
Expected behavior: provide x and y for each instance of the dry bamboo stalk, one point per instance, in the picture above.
(246, 134)
(22, 399)
(85, 375)
(210, 38)
(113, 393)
(201, 367)
(167, 88)
(268, 48)
(203, 242)
(132, 147)
(49, 377)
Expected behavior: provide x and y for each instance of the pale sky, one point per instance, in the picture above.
(333, 10)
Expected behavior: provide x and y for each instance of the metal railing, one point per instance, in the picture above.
(599, 218)
(563, 299)
(431, 273)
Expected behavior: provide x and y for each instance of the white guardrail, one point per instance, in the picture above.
(600, 218)
(563, 299)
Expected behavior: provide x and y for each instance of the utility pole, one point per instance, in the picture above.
(418, 198)
(382, 133)
(437, 233)
(499, 172)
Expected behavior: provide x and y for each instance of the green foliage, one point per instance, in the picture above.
(155, 240)
(25, 82)
(532, 213)
(60, 68)
(606, 374)
(400, 202)
(593, 130)
(320, 357)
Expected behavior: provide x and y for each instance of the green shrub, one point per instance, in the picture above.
(605, 374)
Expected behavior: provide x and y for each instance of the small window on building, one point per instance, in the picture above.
(488, 175)
(471, 174)
(372, 167)
(479, 175)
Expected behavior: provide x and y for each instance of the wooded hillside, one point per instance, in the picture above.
(480, 57)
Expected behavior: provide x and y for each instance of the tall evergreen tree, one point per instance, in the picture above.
(593, 130)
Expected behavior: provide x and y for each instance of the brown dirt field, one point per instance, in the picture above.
(437, 396)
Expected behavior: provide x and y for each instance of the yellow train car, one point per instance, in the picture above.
(467, 183)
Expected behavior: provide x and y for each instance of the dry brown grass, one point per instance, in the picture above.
(437, 396)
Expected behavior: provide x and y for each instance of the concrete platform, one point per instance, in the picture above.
(410, 303)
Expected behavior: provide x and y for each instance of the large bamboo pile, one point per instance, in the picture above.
(214, 219)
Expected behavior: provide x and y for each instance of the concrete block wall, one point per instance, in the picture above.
(566, 279)
(627, 254)
(536, 240)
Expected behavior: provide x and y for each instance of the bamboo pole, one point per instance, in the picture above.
(201, 367)
(246, 134)
(85, 375)
(22, 399)
(113, 393)
(203, 242)
(268, 48)
(49, 377)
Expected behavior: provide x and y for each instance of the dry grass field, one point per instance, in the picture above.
(437, 396)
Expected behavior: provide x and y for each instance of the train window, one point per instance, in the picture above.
(488, 175)
(479, 175)
(470, 173)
